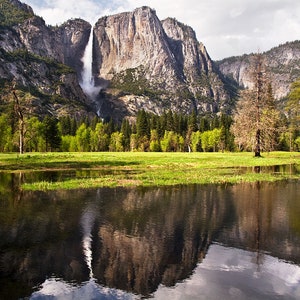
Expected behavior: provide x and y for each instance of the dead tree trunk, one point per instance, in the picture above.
(259, 83)
(20, 116)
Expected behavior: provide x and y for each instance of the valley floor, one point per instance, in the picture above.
(111, 169)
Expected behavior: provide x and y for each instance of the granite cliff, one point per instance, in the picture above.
(138, 62)
(42, 61)
(283, 65)
(143, 62)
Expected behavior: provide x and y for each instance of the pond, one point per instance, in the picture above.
(184, 242)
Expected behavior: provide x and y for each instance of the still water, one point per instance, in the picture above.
(185, 242)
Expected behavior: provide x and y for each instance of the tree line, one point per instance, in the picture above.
(168, 132)
(257, 124)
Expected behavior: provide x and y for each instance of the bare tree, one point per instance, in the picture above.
(19, 112)
(256, 120)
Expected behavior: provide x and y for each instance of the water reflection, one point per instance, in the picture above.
(58, 289)
(151, 242)
(230, 273)
(87, 223)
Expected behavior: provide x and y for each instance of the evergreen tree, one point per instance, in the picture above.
(204, 124)
(182, 125)
(126, 131)
(64, 125)
(293, 111)
(192, 127)
(5, 134)
(192, 122)
(73, 127)
(51, 134)
(142, 125)
(169, 121)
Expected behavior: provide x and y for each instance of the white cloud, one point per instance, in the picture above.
(57, 11)
(231, 27)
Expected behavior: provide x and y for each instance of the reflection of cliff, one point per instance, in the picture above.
(266, 219)
(39, 237)
(139, 239)
(155, 237)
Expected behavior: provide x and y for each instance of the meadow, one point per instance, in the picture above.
(150, 168)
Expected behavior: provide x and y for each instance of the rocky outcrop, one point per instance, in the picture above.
(161, 62)
(43, 61)
(196, 66)
(73, 37)
(22, 6)
(283, 63)
(139, 61)
(65, 43)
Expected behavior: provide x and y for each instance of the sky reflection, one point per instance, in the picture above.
(249, 275)
(57, 289)
(245, 278)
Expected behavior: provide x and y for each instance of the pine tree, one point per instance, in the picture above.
(51, 134)
(126, 131)
(142, 125)
(293, 111)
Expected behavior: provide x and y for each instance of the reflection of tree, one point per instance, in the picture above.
(264, 212)
(259, 255)
(144, 237)
(156, 237)
(39, 237)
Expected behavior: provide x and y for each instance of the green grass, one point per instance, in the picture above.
(149, 169)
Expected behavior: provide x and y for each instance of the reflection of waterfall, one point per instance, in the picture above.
(88, 84)
(87, 222)
(58, 289)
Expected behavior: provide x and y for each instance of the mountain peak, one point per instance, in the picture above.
(283, 65)
(158, 61)
(20, 5)
(14, 12)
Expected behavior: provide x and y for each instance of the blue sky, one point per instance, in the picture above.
(226, 27)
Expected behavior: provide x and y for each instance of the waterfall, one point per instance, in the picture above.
(88, 84)
(87, 223)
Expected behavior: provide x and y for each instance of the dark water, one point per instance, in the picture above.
(188, 242)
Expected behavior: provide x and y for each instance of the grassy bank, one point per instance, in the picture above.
(150, 169)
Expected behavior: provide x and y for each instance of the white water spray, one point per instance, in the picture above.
(87, 223)
(88, 83)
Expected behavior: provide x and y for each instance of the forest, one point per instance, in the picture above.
(258, 124)
(170, 132)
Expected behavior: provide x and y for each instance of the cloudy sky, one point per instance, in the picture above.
(226, 27)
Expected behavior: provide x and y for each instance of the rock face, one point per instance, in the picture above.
(41, 60)
(283, 63)
(139, 61)
(73, 37)
(158, 65)
(65, 43)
